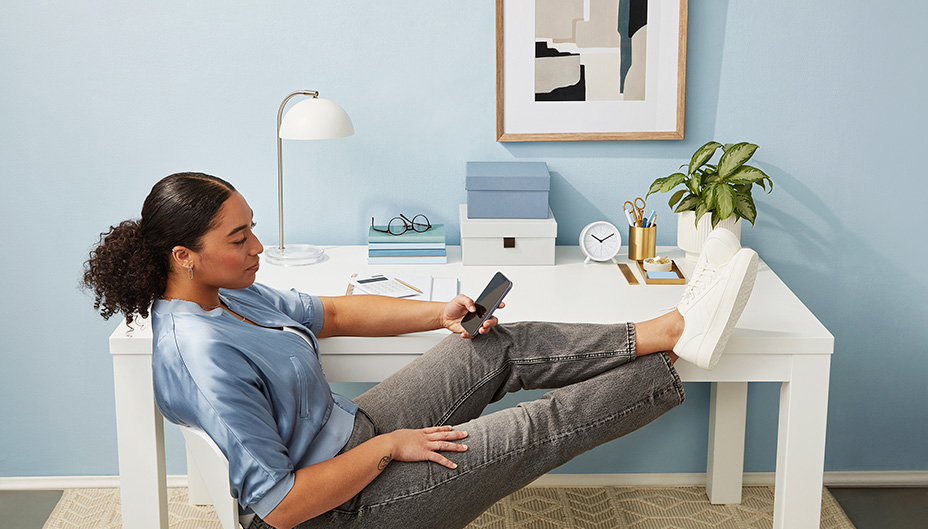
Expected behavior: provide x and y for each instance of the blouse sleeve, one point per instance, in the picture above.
(303, 308)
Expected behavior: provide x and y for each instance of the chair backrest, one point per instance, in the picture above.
(213, 470)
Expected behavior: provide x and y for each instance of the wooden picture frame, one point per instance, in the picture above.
(537, 60)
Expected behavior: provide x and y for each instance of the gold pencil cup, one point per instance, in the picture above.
(642, 242)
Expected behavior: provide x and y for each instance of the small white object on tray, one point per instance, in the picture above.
(657, 264)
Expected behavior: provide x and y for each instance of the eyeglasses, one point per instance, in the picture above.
(400, 225)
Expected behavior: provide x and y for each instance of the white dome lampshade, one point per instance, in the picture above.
(311, 119)
(315, 119)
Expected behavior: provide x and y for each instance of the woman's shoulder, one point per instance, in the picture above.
(185, 333)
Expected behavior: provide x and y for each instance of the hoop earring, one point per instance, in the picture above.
(190, 273)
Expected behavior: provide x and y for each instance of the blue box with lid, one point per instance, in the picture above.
(507, 190)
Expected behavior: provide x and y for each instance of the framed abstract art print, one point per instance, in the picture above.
(575, 70)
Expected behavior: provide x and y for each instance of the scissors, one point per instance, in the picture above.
(637, 211)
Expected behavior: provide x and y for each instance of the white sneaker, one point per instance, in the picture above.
(719, 248)
(714, 298)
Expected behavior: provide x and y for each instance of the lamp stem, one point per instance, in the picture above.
(280, 163)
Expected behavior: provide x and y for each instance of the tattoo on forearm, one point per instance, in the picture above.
(384, 461)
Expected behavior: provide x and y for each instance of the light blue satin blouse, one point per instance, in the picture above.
(259, 393)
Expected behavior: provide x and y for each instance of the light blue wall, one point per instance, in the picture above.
(100, 99)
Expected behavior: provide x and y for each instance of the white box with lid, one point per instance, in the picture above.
(507, 241)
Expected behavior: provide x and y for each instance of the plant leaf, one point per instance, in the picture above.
(701, 208)
(676, 197)
(744, 207)
(702, 155)
(725, 201)
(712, 190)
(687, 204)
(735, 157)
(694, 183)
(747, 174)
(672, 181)
(656, 186)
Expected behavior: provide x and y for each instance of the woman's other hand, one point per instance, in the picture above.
(457, 308)
(425, 445)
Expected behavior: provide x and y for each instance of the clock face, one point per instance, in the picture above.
(600, 241)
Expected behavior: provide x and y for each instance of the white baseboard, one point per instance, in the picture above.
(900, 478)
(751, 479)
(74, 482)
(914, 478)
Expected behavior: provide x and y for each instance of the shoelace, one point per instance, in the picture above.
(699, 281)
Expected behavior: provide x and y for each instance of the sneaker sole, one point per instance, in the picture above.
(736, 296)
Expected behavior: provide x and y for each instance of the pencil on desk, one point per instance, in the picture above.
(408, 285)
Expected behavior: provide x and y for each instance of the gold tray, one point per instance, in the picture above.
(679, 280)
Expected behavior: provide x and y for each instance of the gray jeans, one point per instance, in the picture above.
(601, 392)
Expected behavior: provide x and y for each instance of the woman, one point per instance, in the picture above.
(240, 361)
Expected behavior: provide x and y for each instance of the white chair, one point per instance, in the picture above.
(208, 477)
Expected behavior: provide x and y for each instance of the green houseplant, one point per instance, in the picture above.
(723, 189)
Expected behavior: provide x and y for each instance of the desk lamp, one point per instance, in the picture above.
(310, 119)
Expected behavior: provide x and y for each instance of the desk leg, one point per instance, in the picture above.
(801, 444)
(140, 444)
(725, 466)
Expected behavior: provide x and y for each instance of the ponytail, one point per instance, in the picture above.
(123, 272)
(128, 268)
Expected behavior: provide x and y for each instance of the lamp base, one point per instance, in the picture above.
(294, 255)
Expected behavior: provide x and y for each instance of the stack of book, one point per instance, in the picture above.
(412, 247)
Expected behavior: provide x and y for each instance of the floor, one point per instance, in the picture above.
(868, 508)
(903, 508)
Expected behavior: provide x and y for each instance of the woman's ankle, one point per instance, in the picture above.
(660, 334)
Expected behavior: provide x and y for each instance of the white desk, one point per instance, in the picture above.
(776, 340)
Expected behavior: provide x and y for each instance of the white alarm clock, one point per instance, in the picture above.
(600, 241)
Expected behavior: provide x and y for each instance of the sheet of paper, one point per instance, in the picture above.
(383, 286)
(444, 288)
(431, 289)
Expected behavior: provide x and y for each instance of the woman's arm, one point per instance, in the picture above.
(321, 487)
(365, 315)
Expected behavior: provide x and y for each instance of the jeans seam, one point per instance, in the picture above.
(528, 361)
(678, 384)
(561, 358)
(473, 389)
(515, 452)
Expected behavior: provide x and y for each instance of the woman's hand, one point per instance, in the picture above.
(425, 445)
(457, 308)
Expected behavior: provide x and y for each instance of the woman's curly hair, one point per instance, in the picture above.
(129, 266)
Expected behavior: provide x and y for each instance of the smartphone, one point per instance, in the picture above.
(486, 303)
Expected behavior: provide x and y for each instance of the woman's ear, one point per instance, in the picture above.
(182, 257)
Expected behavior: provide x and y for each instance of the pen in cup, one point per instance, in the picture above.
(629, 217)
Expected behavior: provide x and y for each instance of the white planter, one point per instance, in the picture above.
(691, 237)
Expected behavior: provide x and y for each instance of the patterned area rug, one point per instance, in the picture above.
(530, 508)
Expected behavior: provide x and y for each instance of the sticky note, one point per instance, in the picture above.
(661, 275)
